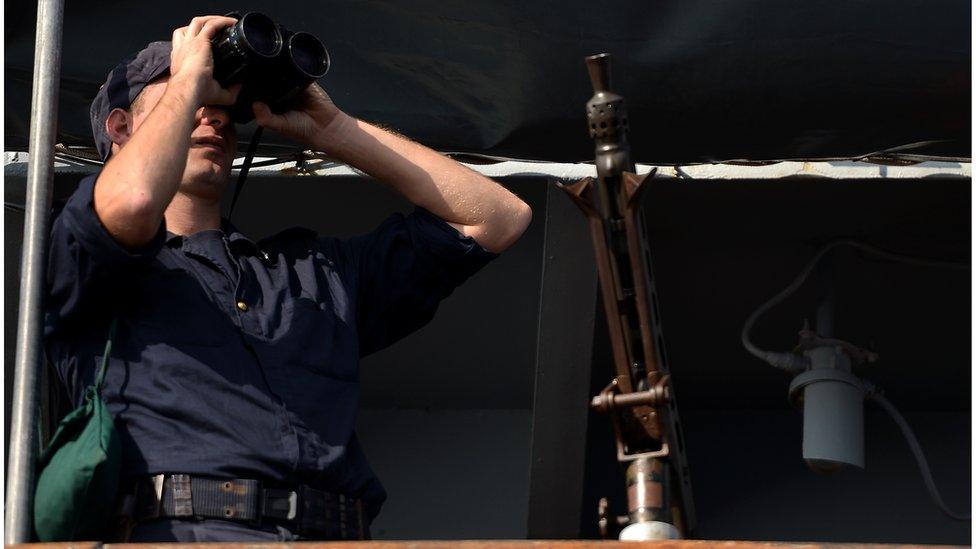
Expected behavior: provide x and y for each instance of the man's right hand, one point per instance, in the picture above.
(140, 180)
(192, 60)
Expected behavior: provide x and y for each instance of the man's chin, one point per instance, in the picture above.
(210, 155)
(206, 177)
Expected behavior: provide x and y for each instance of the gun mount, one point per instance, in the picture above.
(640, 398)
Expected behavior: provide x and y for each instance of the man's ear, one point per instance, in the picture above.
(118, 126)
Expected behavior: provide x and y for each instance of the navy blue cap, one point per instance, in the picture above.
(123, 85)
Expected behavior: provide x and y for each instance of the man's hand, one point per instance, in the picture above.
(192, 59)
(314, 120)
(140, 180)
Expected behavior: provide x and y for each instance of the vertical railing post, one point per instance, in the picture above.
(40, 182)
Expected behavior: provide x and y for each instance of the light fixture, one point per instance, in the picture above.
(826, 388)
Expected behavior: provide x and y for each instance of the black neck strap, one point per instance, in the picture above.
(252, 148)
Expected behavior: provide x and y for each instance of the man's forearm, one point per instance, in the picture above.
(474, 204)
(139, 181)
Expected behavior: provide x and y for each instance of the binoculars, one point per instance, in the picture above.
(272, 64)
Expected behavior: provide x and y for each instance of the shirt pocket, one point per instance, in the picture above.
(171, 307)
(315, 338)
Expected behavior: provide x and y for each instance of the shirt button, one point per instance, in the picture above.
(242, 306)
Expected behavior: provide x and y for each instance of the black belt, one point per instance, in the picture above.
(306, 511)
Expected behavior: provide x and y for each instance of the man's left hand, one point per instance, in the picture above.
(313, 120)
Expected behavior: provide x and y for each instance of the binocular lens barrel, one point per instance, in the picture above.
(272, 63)
(308, 54)
(239, 48)
(260, 33)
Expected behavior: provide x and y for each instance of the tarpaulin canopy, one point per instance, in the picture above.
(704, 81)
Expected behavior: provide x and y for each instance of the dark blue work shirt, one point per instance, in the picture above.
(241, 359)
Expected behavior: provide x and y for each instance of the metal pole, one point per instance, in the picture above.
(40, 181)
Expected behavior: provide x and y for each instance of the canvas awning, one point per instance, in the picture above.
(704, 81)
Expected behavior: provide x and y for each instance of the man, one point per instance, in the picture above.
(234, 372)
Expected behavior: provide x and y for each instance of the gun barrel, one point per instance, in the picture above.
(599, 69)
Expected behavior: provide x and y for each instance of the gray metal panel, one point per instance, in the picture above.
(563, 357)
(449, 473)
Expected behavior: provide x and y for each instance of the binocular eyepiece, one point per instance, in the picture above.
(273, 64)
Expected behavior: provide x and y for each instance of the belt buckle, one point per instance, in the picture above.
(280, 504)
(158, 482)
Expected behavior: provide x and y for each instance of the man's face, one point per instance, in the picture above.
(213, 143)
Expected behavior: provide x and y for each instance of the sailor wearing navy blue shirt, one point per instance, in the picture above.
(234, 373)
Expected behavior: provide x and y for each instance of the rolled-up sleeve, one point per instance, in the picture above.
(406, 267)
(85, 264)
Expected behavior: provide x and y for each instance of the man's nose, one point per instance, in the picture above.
(218, 117)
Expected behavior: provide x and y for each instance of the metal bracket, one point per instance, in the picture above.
(612, 401)
(810, 339)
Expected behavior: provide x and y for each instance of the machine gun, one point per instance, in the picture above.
(640, 399)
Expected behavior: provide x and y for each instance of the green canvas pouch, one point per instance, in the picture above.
(79, 470)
